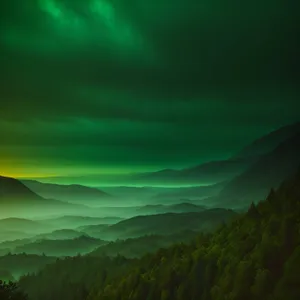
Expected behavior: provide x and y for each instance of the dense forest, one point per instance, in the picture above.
(10, 291)
(257, 256)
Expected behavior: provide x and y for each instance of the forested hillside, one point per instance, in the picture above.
(257, 256)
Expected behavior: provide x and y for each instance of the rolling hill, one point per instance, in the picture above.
(175, 208)
(62, 234)
(73, 222)
(17, 228)
(176, 195)
(70, 193)
(138, 247)
(94, 231)
(166, 224)
(18, 224)
(69, 247)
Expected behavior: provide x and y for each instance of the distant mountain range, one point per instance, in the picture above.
(28, 226)
(224, 170)
(11, 235)
(175, 208)
(70, 193)
(169, 223)
(72, 222)
(62, 234)
(206, 173)
(245, 177)
(69, 247)
(269, 142)
(268, 172)
(94, 231)
(138, 247)
(177, 195)
(18, 200)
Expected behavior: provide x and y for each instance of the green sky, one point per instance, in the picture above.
(109, 87)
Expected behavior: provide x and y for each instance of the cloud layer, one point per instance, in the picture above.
(169, 85)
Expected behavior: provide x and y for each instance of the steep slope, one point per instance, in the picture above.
(270, 141)
(223, 170)
(13, 190)
(19, 201)
(71, 193)
(271, 169)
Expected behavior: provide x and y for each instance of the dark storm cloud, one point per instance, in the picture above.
(187, 48)
(152, 76)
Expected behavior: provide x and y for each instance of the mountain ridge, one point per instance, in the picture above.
(269, 171)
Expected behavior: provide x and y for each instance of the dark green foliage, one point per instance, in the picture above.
(137, 247)
(10, 291)
(20, 264)
(256, 257)
(73, 278)
(5, 275)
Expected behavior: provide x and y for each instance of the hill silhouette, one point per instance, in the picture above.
(13, 190)
(168, 223)
(192, 193)
(26, 225)
(73, 193)
(175, 208)
(223, 170)
(18, 200)
(21, 264)
(208, 173)
(69, 247)
(73, 222)
(256, 256)
(138, 247)
(269, 142)
(269, 171)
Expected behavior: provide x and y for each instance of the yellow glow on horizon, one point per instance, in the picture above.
(26, 175)
(35, 173)
(26, 169)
